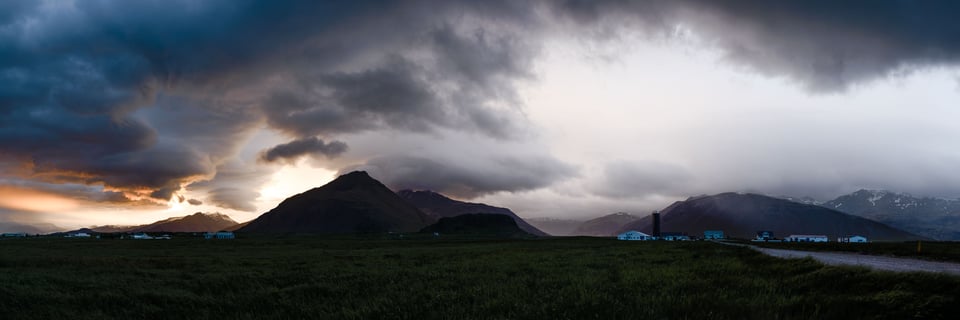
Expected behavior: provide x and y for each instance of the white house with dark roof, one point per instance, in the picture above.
(634, 235)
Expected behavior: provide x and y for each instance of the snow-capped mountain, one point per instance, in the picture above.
(931, 217)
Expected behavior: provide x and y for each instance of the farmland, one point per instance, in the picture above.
(375, 278)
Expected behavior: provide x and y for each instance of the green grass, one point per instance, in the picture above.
(929, 250)
(352, 278)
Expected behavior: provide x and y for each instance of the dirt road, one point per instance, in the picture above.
(875, 262)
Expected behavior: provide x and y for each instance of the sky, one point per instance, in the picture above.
(126, 112)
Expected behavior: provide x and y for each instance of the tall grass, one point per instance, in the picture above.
(344, 278)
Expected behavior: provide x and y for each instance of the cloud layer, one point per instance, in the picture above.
(142, 101)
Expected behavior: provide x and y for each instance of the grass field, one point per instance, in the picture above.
(559, 278)
(929, 250)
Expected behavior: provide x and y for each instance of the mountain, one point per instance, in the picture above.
(197, 222)
(741, 215)
(930, 217)
(16, 227)
(439, 206)
(607, 225)
(352, 203)
(490, 224)
(556, 227)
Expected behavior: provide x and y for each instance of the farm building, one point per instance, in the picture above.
(713, 234)
(78, 235)
(13, 235)
(634, 235)
(219, 235)
(141, 236)
(674, 236)
(854, 239)
(765, 235)
(806, 238)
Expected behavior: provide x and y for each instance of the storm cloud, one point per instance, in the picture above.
(150, 99)
(295, 149)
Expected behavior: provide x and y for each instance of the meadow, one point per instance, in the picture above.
(376, 278)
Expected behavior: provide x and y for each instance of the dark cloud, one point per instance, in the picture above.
(825, 45)
(147, 97)
(194, 202)
(466, 180)
(303, 147)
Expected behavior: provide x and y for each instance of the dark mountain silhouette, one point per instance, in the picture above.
(742, 215)
(477, 224)
(555, 226)
(607, 225)
(109, 229)
(197, 222)
(352, 203)
(930, 217)
(439, 206)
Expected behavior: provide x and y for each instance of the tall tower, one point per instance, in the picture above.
(656, 224)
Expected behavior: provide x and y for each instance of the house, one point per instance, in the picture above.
(78, 235)
(634, 235)
(141, 236)
(219, 235)
(713, 234)
(765, 236)
(853, 239)
(806, 238)
(674, 236)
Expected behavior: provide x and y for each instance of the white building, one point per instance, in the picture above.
(219, 235)
(853, 239)
(142, 236)
(634, 235)
(807, 238)
(78, 235)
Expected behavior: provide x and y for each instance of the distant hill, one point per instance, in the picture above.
(930, 217)
(439, 206)
(742, 215)
(607, 225)
(555, 226)
(352, 203)
(477, 224)
(197, 222)
(16, 227)
(237, 226)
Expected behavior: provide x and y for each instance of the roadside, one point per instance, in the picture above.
(874, 262)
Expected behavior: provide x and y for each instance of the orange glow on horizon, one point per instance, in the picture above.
(34, 200)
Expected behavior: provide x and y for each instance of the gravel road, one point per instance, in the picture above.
(875, 262)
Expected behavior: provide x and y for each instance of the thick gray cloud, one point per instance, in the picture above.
(466, 179)
(146, 97)
(825, 45)
(240, 199)
(312, 146)
(624, 179)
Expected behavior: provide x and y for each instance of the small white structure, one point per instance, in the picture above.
(142, 236)
(713, 235)
(674, 236)
(14, 235)
(807, 238)
(634, 235)
(219, 235)
(78, 235)
(852, 239)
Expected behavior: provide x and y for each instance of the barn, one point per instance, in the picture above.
(713, 234)
(807, 238)
(853, 239)
(634, 235)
